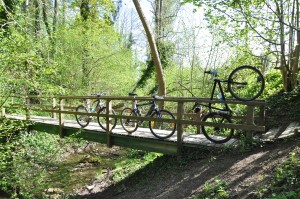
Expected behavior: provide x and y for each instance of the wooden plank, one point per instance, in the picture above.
(270, 135)
(289, 131)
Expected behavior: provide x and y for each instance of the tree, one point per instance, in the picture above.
(154, 52)
(273, 25)
(44, 51)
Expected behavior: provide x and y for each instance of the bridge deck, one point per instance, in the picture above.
(141, 139)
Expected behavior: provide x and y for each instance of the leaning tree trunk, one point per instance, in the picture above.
(154, 52)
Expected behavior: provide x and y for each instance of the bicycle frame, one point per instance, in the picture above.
(94, 108)
(218, 82)
(149, 112)
(227, 110)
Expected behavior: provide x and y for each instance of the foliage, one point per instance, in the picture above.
(166, 50)
(239, 24)
(216, 189)
(28, 159)
(24, 69)
(135, 160)
(283, 107)
(105, 59)
(73, 57)
(286, 181)
(273, 83)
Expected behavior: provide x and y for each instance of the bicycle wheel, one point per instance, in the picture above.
(246, 83)
(129, 125)
(217, 134)
(102, 119)
(161, 129)
(82, 120)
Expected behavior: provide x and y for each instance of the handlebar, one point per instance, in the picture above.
(212, 72)
(157, 97)
(99, 94)
(154, 96)
(132, 94)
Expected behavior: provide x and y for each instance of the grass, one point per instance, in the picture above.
(217, 189)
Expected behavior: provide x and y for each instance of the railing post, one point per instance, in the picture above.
(61, 117)
(134, 102)
(262, 115)
(180, 111)
(27, 109)
(54, 108)
(198, 118)
(250, 120)
(108, 124)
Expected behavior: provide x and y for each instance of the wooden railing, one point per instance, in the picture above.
(252, 121)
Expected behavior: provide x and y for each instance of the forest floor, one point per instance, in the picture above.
(246, 173)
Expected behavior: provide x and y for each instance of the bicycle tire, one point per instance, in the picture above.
(159, 128)
(82, 120)
(129, 125)
(102, 120)
(246, 83)
(217, 134)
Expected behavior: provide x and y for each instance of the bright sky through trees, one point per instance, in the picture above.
(189, 30)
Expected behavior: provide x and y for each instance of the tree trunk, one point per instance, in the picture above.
(55, 15)
(296, 53)
(154, 52)
(283, 63)
(84, 13)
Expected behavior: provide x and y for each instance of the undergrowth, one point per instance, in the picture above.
(283, 108)
(217, 189)
(286, 180)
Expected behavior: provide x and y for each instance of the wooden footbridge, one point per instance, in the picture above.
(55, 115)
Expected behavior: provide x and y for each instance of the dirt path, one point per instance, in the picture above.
(166, 177)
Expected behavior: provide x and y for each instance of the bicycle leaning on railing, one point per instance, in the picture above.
(96, 107)
(160, 129)
(244, 83)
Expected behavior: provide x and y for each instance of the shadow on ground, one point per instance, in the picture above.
(166, 177)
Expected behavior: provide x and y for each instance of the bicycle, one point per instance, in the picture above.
(97, 107)
(159, 129)
(239, 82)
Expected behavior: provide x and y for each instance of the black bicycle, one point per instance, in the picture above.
(159, 129)
(97, 107)
(245, 83)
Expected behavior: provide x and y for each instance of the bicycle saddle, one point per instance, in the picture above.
(157, 97)
(96, 94)
(132, 94)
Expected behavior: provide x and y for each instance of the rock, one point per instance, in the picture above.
(90, 187)
(54, 190)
